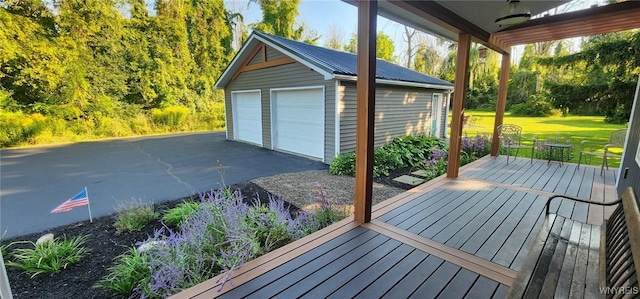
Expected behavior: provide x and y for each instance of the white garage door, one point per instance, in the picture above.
(298, 121)
(247, 116)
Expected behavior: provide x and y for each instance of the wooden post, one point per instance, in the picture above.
(459, 93)
(365, 108)
(502, 102)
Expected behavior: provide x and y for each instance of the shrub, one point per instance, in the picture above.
(343, 164)
(474, 148)
(324, 213)
(271, 226)
(17, 128)
(134, 216)
(436, 165)
(129, 271)
(172, 116)
(536, 105)
(51, 257)
(180, 213)
(408, 151)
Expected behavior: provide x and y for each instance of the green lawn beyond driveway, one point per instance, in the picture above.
(574, 128)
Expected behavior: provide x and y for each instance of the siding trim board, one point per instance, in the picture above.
(337, 118)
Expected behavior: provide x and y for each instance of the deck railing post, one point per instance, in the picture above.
(365, 108)
(459, 92)
(501, 103)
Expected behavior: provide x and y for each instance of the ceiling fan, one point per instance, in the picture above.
(514, 13)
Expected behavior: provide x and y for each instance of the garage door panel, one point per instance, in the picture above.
(247, 115)
(299, 121)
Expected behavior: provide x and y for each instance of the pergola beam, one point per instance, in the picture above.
(459, 87)
(365, 108)
(595, 20)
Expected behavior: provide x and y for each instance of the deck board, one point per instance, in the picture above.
(415, 278)
(517, 240)
(459, 285)
(448, 238)
(497, 239)
(394, 275)
(436, 282)
(482, 288)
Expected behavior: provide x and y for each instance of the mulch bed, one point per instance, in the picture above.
(76, 281)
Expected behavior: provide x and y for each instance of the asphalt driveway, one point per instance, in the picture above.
(33, 181)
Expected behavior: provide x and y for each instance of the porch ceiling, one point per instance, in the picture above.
(449, 18)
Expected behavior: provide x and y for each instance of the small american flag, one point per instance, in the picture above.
(79, 200)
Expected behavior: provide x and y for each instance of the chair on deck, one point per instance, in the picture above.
(616, 140)
(510, 137)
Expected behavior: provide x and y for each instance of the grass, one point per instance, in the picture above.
(134, 215)
(575, 128)
(50, 257)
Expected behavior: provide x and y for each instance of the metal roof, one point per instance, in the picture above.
(338, 64)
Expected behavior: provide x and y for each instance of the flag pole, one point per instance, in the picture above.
(88, 204)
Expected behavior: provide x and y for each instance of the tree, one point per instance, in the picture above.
(335, 37)
(384, 46)
(427, 60)
(611, 67)
(279, 18)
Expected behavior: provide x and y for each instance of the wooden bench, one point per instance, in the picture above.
(571, 259)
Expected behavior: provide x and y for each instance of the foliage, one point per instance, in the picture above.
(49, 258)
(536, 106)
(325, 211)
(93, 72)
(609, 66)
(407, 151)
(134, 216)
(130, 270)
(475, 148)
(343, 164)
(384, 46)
(175, 216)
(173, 116)
(436, 165)
(16, 127)
(271, 226)
(279, 18)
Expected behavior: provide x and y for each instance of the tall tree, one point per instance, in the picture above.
(279, 18)
(334, 37)
(427, 60)
(384, 46)
(611, 67)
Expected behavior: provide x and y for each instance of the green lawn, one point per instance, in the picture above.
(576, 128)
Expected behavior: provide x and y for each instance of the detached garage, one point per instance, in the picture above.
(299, 98)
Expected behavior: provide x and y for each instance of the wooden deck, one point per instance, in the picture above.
(460, 238)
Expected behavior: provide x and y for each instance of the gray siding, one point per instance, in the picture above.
(631, 148)
(283, 76)
(273, 54)
(399, 111)
(256, 59)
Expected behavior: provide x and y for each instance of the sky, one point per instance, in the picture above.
(320, 15)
